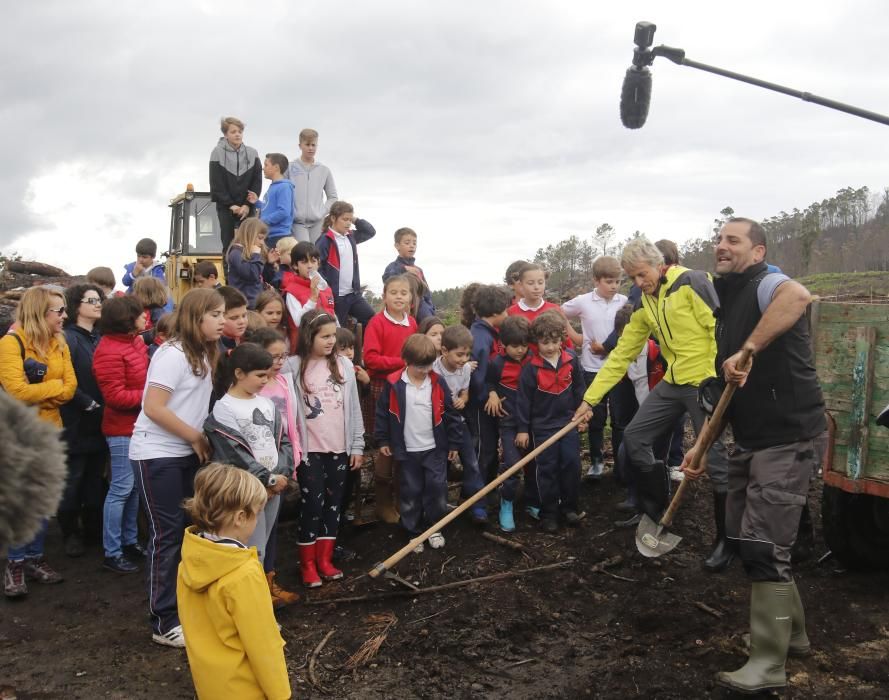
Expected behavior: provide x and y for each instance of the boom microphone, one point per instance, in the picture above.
(635, 97)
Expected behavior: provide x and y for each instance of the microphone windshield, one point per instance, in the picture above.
(635, 97)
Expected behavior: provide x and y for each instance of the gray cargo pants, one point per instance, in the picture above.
(767, 490)
(658, 414)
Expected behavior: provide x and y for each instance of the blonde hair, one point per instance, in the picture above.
(150, 292)
(307, 135)
(606, 266)
(226, 122)
(220, 491)
(31, 318)
(285, 245)
(186, 332)
(247, 235)
(640, 251)
(255, 321)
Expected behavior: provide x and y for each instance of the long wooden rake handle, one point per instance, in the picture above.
(468, 503)
(708, 435)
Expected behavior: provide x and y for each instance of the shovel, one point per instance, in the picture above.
(383, 567)
(651, 540)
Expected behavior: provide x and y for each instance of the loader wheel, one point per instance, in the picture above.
(856, 528)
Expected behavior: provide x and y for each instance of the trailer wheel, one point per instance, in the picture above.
(856, 528)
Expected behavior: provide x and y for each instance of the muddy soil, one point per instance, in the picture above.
(643, 628)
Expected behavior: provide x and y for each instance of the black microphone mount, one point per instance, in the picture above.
(644, 55)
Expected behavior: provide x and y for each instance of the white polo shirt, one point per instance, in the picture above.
(347, 263)
(597, 321)
(418, 435)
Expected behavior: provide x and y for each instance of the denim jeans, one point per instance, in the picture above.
(122, 502)
(31, 550)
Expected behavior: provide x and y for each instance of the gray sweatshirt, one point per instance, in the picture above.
(310, 184)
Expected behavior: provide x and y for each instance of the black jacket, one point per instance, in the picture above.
(83, 429)
(781, 401)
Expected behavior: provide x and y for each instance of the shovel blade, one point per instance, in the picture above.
(652, 540)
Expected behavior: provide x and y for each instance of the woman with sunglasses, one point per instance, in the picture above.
(36, 369)
(80, 512)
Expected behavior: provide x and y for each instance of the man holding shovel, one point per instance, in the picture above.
(678, 306)
(777, 418)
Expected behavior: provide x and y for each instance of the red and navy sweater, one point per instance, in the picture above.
(383, 341)
(330, 254)
(301, 289)
(486, 346)
(390, 415)
(548, 396)
(503, 377)
(516, 310)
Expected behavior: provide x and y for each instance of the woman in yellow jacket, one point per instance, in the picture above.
(37, 344)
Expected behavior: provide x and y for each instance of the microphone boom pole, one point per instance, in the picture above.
(644, 56)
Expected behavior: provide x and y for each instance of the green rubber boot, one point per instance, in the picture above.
(799, 640)
(771, 609)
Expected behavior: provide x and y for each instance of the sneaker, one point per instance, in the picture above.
(549, 525)
(533, 511)
(14, 585)
(594, 473)
(479, 515)
(419, 548)
(174, 638)
(120, 565)
(134, 551)
(632, 521)
(74, 546)
(676, 474)
(436, 540)
(41, 572)
(572, 518)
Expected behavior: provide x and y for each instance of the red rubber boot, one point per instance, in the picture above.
(323, 556)
(307, 554)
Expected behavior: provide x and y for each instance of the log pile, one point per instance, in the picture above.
(18, 275)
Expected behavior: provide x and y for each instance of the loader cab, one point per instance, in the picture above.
(194, 236)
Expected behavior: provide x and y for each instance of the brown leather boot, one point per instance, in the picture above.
(384, 495)
(280, 597)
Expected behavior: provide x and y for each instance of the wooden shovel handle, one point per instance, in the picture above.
(469, 502)
(709, 433)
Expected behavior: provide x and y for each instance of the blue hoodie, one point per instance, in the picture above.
(276, 210)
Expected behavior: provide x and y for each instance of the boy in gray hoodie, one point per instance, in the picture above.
(312, 182)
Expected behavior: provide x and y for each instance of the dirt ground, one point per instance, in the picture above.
(643, 628)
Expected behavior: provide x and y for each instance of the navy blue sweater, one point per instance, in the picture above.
(330, 255)
(485, 346)
(503, 377)
(548, 396)
(390, 414)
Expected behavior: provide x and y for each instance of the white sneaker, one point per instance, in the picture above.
(419, 548)
(676, 474)
(436, 540)
(174, 638)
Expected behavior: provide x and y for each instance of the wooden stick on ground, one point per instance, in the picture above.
(512, 544)
(461, 584)
(313, 679)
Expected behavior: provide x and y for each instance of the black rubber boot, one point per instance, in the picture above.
(653, 489)
(723, 551)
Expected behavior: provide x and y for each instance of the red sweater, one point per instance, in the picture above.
(301, 290)
(516, 310)
(383, 341)
(120, 365)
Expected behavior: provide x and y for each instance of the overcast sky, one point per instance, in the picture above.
(491, 128)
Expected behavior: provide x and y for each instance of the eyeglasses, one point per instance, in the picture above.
(92, 302)
(279, 358)
(60, 311)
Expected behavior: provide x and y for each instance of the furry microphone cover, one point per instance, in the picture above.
(32, 471)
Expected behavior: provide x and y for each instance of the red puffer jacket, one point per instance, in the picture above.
(120, 365)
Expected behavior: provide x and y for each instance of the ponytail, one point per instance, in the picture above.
(337, 209)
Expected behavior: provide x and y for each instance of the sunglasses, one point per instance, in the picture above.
(91, 302)
(59, 311)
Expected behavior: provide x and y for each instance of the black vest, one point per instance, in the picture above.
(781, 401)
